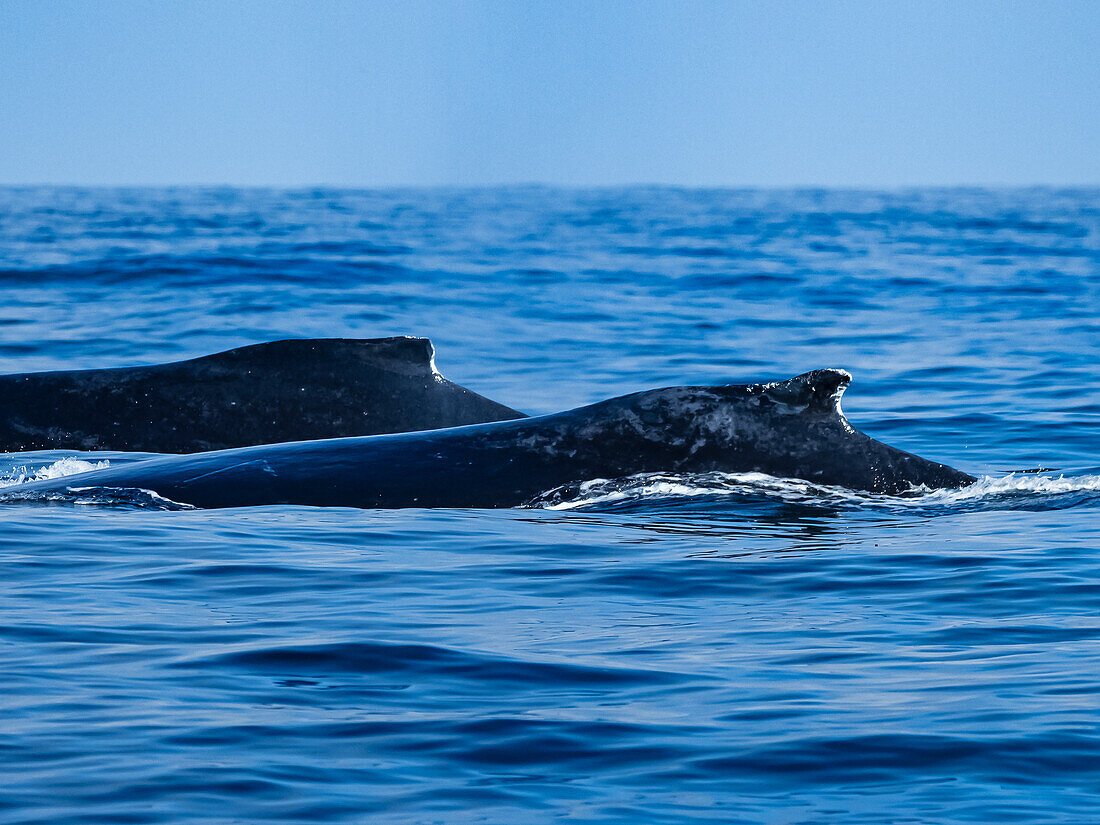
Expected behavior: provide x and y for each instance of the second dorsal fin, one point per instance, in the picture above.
(817, 391)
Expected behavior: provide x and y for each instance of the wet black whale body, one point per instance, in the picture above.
(289, 390)
(791, 429)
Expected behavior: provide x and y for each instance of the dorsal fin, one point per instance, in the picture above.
(400, 354)
(818, 390)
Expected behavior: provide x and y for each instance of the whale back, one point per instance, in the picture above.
(265, 393)
(793, 429)
(714, 417)
(787, 429)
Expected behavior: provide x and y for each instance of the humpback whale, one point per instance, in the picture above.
(790, 428)
(279, 391)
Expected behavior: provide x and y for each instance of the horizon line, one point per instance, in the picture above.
(861, 186)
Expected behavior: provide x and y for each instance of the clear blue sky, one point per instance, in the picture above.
(597, 92)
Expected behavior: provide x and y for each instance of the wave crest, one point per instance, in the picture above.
(125, 497)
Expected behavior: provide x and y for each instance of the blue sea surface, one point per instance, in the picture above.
(733, 649)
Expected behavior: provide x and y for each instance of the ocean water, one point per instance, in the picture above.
(734, 649)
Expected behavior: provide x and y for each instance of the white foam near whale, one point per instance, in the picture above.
(597, 493)
(67, 466)
(1018, 489)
